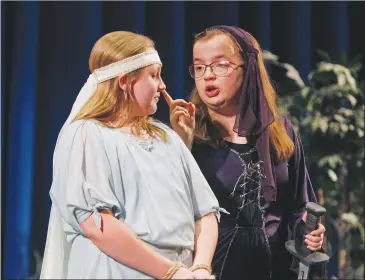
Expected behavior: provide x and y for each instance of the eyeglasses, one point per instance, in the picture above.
(219, 68)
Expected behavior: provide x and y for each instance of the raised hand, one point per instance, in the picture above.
(182, 118)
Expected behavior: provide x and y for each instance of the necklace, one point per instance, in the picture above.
(146, 142)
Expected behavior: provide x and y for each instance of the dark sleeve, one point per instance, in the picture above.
(299, 178)
(303, 193)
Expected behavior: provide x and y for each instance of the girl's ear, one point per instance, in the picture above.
(122, 80)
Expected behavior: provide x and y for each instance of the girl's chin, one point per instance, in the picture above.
(145, 111)
(214, 101)
(152, 109)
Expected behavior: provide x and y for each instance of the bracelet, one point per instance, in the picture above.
(202, 266)
(173, 269)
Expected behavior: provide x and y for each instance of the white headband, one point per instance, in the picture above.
(106, 73)
(126, 65)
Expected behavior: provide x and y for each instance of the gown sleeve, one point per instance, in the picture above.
(303, 193)
(83, 182)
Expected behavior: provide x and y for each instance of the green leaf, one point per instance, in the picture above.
(344, 127)
(333, 161)
(323, 124)
(341, 79)
(268, 56)
(339, 118)
(332, 175)
(306, 120)
(352, 100)
(315, 122)
(334, 128)
(346, 112)
(304, 92)
(360, 132)
(294, 75)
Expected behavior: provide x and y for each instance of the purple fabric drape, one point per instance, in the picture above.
(254, 114)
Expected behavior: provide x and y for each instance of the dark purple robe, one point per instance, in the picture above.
(252, 246)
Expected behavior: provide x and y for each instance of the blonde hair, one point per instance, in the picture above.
(205, 130)
(110, 104)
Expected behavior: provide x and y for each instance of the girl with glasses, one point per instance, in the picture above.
(250, 155)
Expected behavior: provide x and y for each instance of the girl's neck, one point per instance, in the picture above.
(225, 123)
(126, 124)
